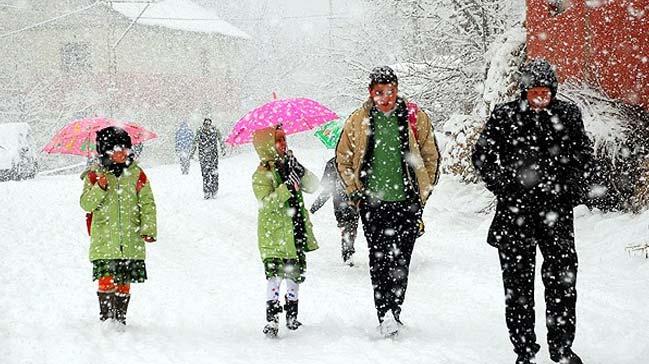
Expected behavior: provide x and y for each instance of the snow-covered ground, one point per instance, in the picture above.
(204, 300)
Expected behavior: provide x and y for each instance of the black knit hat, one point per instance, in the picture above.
(383, 75)
(538, 72)
(110, 137)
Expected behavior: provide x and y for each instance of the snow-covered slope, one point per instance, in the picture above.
(204, 300)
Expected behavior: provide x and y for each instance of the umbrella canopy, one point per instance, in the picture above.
(329, 133)
(295, 115)
(78, 137)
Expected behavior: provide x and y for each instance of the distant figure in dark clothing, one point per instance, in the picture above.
(210, 145)
(184, 139)
(345, 211)
(533, 154)
(137, 150)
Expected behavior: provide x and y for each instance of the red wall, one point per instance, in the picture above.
(605, 44)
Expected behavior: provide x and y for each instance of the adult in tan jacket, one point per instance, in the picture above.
(388, 161)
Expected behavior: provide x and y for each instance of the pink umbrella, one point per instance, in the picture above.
(295, 115)
(78, 137)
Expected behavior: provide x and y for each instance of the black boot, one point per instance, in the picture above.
(565, 356)
(106, 305)
(273, 309)
(291, 315)
(121, 306)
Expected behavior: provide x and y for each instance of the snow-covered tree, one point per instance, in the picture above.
(437, 48)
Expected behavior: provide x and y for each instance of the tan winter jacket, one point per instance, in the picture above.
(423, 156)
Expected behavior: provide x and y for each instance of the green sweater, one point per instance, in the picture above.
(386, 180)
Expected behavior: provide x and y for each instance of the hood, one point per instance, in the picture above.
(264, 142)
(538, 72)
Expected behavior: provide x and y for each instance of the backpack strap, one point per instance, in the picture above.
(141, 181)
(413, 109)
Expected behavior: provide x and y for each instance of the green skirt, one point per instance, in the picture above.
(293, 269)
(122, 270)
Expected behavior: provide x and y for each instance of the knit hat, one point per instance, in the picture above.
(538, 72)
(383, 75)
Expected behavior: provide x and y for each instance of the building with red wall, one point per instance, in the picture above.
(604, 43)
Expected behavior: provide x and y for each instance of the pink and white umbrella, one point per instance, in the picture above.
(294, 115)
(79, 136)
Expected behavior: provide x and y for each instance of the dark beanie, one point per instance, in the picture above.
(538, 72)
(383, 75)
(110, 137)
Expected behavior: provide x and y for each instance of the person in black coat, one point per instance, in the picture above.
(345, 211)
(534, 155)
(210, 145)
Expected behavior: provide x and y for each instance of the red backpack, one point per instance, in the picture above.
(412, 118)
(92, 178)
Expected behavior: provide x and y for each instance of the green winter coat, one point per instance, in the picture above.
(275, 225)
(121, 215)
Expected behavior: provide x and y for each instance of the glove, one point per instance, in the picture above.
(293, 165)
(148, 239)
(293, 180)
(102, 181)
(293, 171)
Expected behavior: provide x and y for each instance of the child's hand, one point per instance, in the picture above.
(102, 182)
(148, 239)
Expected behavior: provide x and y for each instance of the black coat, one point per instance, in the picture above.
(536, 164)
(531, 159)
(209, 143)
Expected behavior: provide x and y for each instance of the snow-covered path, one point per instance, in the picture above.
(204, 300)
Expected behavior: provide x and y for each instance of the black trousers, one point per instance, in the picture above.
(552, 229)
(347, 219)
(210, 172)
(184, 164)
(390, 230)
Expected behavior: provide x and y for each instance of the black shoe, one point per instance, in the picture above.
(525, 359)
(527, 355)
(565, 356)
(271, 329)
(348, 258)
(291, 315)
(106, 305)
(121, 306)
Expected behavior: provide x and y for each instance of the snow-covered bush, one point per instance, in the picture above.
(504, 57)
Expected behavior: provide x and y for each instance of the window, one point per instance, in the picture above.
(558, 6)
(75, 57)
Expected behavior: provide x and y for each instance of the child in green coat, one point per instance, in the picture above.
(284, 231)
(121, 217)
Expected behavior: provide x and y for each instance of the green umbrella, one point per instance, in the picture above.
(330, 132)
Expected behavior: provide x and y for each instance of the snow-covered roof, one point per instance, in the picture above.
(179, 14)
